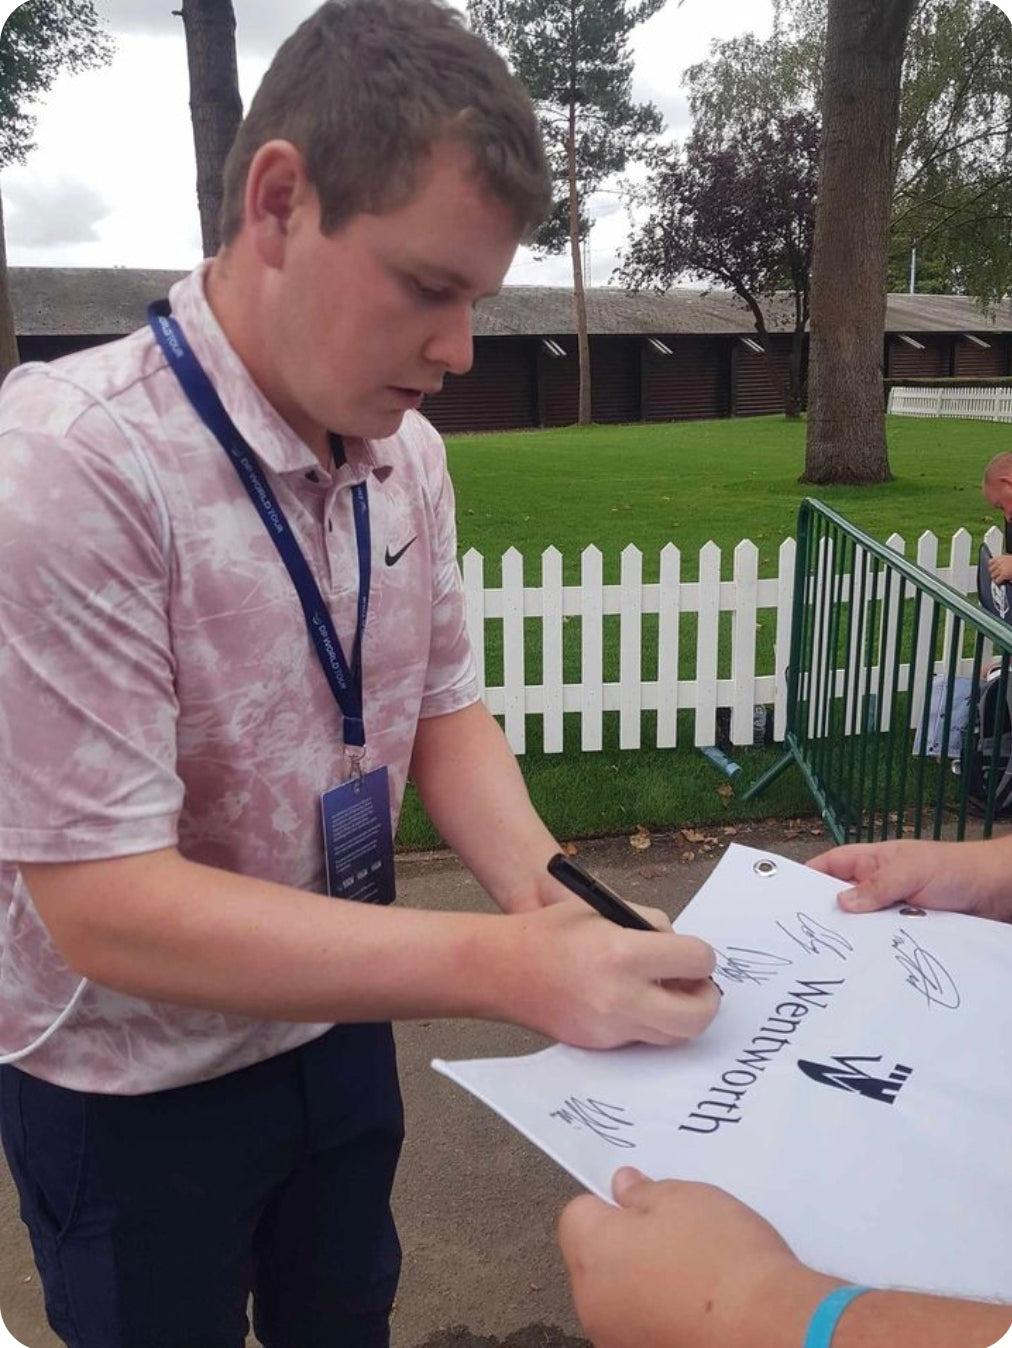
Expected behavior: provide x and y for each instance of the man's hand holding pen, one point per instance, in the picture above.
(594, 984)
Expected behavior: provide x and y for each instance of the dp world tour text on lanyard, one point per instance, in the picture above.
(345, 680)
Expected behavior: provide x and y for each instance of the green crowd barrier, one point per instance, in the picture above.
(883, 653)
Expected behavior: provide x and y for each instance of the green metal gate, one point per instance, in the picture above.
(873, 637)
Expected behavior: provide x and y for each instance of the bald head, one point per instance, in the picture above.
(997, 483)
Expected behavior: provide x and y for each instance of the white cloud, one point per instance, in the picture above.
(52, 213)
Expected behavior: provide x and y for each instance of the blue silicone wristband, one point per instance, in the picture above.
(823, 1324)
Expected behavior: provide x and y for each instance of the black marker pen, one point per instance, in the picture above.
(599, 896)
(602, 899)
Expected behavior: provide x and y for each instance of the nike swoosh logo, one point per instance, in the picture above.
(392, 558)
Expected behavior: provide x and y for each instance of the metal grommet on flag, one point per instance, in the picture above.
(765, 867)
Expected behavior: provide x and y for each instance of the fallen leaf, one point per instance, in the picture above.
(725, 792)
(688, 856)
(691, 835)
(816, 830)
(570, 849)
(729, 831)
(649, 872)
(641, 840)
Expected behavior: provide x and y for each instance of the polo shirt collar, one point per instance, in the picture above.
(260, 424)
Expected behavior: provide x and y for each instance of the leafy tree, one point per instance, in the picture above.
(215, 103)
(953, 190)
(953, 180)
(39, 39)
(865, 42)
(746, 81)
(573, 57)
(933, 272)
(739, 211)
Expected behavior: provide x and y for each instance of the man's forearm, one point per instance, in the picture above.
(166, 929)
(909, 1320)
(471, 785)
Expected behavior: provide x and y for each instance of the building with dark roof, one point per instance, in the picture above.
(684, 354)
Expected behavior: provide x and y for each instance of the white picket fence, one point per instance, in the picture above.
(983, 404)
(751, 601)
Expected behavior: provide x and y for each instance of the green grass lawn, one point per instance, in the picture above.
(686, 483)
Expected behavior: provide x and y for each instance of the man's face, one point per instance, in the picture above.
(998, 494)
(363, 324)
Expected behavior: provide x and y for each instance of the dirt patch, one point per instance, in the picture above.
(530, 1336)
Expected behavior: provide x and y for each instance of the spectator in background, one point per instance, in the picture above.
(997, 489)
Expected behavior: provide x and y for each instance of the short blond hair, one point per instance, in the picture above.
(365, 88)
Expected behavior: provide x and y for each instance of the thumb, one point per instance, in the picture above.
(869, 896)
(630, 1186)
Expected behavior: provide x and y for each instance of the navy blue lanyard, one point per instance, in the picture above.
(345, 681)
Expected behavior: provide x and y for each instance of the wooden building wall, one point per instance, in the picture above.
(977, 362)
(615, 395)
(755, 390)
(499, 392)
(559, 383)
(516, 384)
(691, 384)
(907, 362)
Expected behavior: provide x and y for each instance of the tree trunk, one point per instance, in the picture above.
(215, 105)
(8, 333)
(579, 296)
(865, 40)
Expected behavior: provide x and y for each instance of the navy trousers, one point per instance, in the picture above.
(153, 1217)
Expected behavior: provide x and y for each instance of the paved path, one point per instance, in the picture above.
(476, 1203)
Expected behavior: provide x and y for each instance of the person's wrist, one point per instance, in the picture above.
(499, 967)
(987, 878)
(775, 1307)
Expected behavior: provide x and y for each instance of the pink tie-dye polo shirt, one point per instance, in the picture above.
(158, 687)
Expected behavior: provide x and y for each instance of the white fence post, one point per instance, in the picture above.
(785, 619)
(707, 636)
(631, 649)
(592, 650)
(743, 640)
(552, 623)
(668, 623)
(514, 706)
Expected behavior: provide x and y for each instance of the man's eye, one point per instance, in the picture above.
(431, 293)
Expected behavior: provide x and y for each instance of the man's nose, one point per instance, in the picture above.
(452, 344)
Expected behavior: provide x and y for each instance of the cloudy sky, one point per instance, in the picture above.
(112, 180)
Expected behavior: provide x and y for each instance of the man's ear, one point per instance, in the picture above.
(276, 187)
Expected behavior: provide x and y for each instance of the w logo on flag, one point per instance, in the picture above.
(847, 1075)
